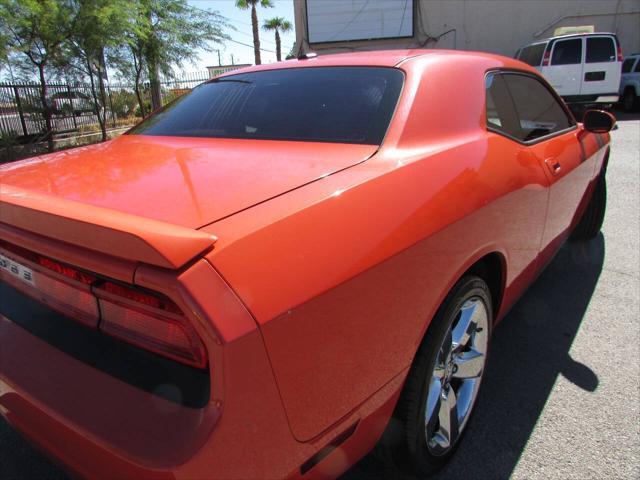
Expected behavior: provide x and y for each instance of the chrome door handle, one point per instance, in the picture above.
(553, 165)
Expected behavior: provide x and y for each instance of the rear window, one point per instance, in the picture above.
(567, 52)
(324, 104)
(628, 65)
(532, 54)
(600, 49)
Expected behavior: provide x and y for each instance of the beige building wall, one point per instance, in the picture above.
(497, 26)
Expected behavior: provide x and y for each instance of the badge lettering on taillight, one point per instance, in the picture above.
(17, 270)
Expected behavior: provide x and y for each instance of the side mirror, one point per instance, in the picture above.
(598, 121)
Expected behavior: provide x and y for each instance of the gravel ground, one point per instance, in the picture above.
(562, 395)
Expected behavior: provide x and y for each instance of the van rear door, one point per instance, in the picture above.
(564, 72)
(601, 74)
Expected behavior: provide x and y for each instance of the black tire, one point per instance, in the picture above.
(593, 217)
(629, 100)
(404, 443)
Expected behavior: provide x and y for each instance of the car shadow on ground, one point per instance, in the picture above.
(622, 116)
(530, 348)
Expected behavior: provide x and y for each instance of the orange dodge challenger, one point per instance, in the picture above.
(255, 280)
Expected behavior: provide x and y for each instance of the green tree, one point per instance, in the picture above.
(101, 25)
(38, 29)
(129, 62)
(251, 4)
(171, 32)
(277, 25)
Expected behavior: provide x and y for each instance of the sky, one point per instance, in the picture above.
(241, 20)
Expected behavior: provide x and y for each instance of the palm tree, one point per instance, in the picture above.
(245, 5)
(277, 24)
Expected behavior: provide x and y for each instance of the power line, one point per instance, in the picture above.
(251, 35)
(250, 46)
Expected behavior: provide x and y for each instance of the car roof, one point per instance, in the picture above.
(374, 58)
(570, 35)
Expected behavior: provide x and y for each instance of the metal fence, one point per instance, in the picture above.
(74, 109)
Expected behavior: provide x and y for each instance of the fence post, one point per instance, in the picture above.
(20, 112)
(73, 109)
(113, 115)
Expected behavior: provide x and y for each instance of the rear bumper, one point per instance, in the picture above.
(98, 427)
(95, 424)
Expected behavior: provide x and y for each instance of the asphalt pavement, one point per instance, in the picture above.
(561, 399)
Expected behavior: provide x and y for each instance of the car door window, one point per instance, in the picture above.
(539, 112)
(567, 52)
(637, 69)
(600, 49)
(628, 65)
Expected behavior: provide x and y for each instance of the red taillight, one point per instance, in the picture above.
(66, 271)
(59, 286)
(71, 298)
(146, 319)
(546, 58)
(619, 51)
(149, 321)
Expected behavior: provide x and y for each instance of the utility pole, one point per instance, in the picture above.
(232, 62)
(219, 62)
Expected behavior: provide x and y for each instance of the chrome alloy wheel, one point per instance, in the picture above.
(456, 376)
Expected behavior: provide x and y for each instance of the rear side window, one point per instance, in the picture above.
(628, 65)
(323, 104)
(637, 69)
(532, 54)
(539, 113)
(600, 49)
(567, 52)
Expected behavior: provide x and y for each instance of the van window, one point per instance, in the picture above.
(532, 54)
(539, 113)
(600, 49)
(628, 65)
(567, 52)
(637, 69)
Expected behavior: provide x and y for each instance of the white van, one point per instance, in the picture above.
(583, 68)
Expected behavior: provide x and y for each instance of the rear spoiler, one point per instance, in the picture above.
(100, 229)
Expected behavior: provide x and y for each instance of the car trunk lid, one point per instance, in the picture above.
(143, 198)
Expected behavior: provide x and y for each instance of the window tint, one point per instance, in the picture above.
(600, 49)
(567, 52)
(539, 113)
(637, 69)
(330, 104)
(501, 116)
(627, 65)
(532, 54)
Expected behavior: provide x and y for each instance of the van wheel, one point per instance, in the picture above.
(629, 100)
(442, 386)
(593, 217)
